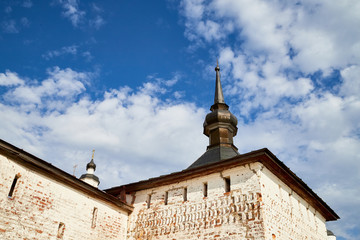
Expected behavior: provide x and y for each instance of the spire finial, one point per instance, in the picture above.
(219, 97)
(93, 152)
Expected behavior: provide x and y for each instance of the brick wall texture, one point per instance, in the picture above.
(41, 208)
(258, 206)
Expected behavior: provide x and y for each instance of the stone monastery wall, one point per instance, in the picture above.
(245, 202)
(188, 214)
(42, 208)
(286, 214)
(258, 206)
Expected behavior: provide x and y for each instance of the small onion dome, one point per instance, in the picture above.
(330, 233)
(91, 164)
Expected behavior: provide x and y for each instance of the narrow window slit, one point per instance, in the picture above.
(61, 230)
(205, 189)
(94, 217)
(13, 185)
(185, 194)
(166, 198)
(149, 201)
(227, 184)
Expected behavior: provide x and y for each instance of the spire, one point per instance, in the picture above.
(89, 177)
(220, 127)
(219, 97)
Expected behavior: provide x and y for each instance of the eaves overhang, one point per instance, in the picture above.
(264, 156)
(42, 167)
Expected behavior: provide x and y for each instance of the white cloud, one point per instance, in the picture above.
(10, 78)
(157, 83)
(351, 81)
(262, 23)
(198, 28)
(320, 114)
(10, 26)
(130, 129)
(171, 82)
(96, 8)
(273, 27)
(72, 11)
(179, 94)
(261, 83)
(87, 55)
(97, 22)
(193, 9)
(333, 42)
(81, 18)
(72, 50)
(54, 92)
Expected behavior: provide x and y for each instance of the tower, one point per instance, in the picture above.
(220, 127)
(224, 194)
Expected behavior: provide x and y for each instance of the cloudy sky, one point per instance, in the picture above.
(134, 80)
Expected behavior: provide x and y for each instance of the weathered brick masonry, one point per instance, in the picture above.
(43, 207)
(258, 206)
(192, 204)
(221, 215)
(286, 214)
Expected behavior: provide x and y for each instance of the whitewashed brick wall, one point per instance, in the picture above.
(232, 215)
(286, 214)
(255, 208)
(39, 205)
(259, 206)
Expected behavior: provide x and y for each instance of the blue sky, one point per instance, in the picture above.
(134, 80)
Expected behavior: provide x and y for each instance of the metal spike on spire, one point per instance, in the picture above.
(219, 97)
